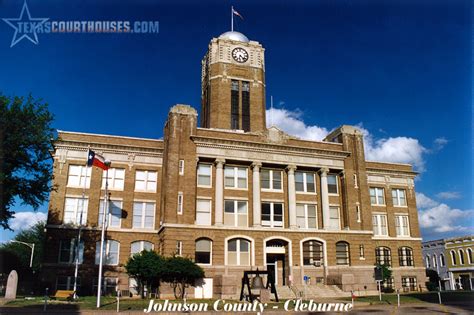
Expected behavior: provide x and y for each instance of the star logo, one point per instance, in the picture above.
(25, 26)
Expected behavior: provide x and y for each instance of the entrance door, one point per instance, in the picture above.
(465, 282)
(276, 265)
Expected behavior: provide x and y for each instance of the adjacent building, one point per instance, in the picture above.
(233, 195)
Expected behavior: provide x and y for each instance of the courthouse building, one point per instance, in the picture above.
(234, 195)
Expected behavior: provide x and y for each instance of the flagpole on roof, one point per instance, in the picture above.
(271, 110)
(232, 18)
(104, 216)
(78, 241)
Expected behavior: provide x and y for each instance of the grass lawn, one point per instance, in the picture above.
(430, 297)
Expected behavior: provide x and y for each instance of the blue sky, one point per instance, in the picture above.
(401, 70)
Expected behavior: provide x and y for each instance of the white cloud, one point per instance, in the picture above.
(440, 143)
(442, 218)
(24, 220)
(424, 202)
(292, 123)
(449, 195)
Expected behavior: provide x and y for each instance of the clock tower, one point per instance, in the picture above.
(233, 84)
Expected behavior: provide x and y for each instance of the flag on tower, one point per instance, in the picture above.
(97, 160)
(237, 13)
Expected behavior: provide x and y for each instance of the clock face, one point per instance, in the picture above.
(240, 55)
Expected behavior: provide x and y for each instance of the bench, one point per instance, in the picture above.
(64, 294)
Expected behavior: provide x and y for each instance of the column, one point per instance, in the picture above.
(219, 208)
(291, 196)
(256, 194)
(325, 197)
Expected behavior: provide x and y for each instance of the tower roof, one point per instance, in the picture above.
(233, 35)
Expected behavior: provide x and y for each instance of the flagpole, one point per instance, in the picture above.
(232, 18)
(78, 244)
(271, 110)
(104, 216)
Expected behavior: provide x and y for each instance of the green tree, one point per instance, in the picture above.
(25, 142)
(33, 235)
(433, 280)
(180, 273)
(147, 268)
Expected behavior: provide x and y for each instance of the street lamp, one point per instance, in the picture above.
(30, 245)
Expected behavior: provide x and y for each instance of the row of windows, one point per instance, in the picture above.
(237, 178)
(80, 176)
(433, 262)
(75, 212)
(380, 227)
(377, 197)
(383, 256)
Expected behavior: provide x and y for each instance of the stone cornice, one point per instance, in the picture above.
(214, 142)
(380, 171)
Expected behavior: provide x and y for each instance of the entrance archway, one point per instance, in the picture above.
(277, 259)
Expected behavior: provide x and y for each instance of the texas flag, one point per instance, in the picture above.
(97, 160)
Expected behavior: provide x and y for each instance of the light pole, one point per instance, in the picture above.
(30, 245)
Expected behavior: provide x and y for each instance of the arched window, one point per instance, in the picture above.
(383, 256)
(405, 255)
(238, 252)
(139, 246)
(110, 253)
(435, 261)
(427, 261)
(461, 257)
(312, 253)
(441, 260)
(453, 257)
(342, 253)
(203, 252)
(469, 256)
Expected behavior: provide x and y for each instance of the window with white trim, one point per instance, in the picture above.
(469, 256)
(114, 217)
(203, 251)
(146, 181)
(461, 257)
(409, 283)
(383, 256)
(441, 260)
(77, 174)
(272, 214)
(427, 261)
(334, 222)
(110, 253)
(116, 178)
(203, 212)
(435, 261)
(181, 167)
(405, 255)
(235, 213)
(180, 203)
(72, 210)
(379, 223)
(377, 196)
(305, 182)
(399, 197)
(358, 216)
(306, 216)
(271, 179)
(139, 246)
(68, 250)
(342, 253)
(238, 252)
(453, 257)
(332, 184)
(312, 253)
(235, 177)
(179, 248)
(143, 215)
(204, 175)
(361, 252)
(402, 226)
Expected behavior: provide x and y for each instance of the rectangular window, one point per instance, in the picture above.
(79, 175)
(332, 184)
(245, 106)
(306, 216)
(143, 215)
(114, 218)
(74, 208)
(402, 225)
(203, 212)
(179, 248)
(399, 198)
(358, 213)
(204, 175)
(180, 203)
(234, 105)
(181, 167)
(304, 182)
(334, 223)
(67, 283)
(272, 214)
(409, 283)
(109, 285)
(68, 249)
(361, 252)
(235, 177)
(146, 181)
(110, 253)
(271, 179)
(116, 178)
(379, 223)
(235, 213)
(377, 196)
